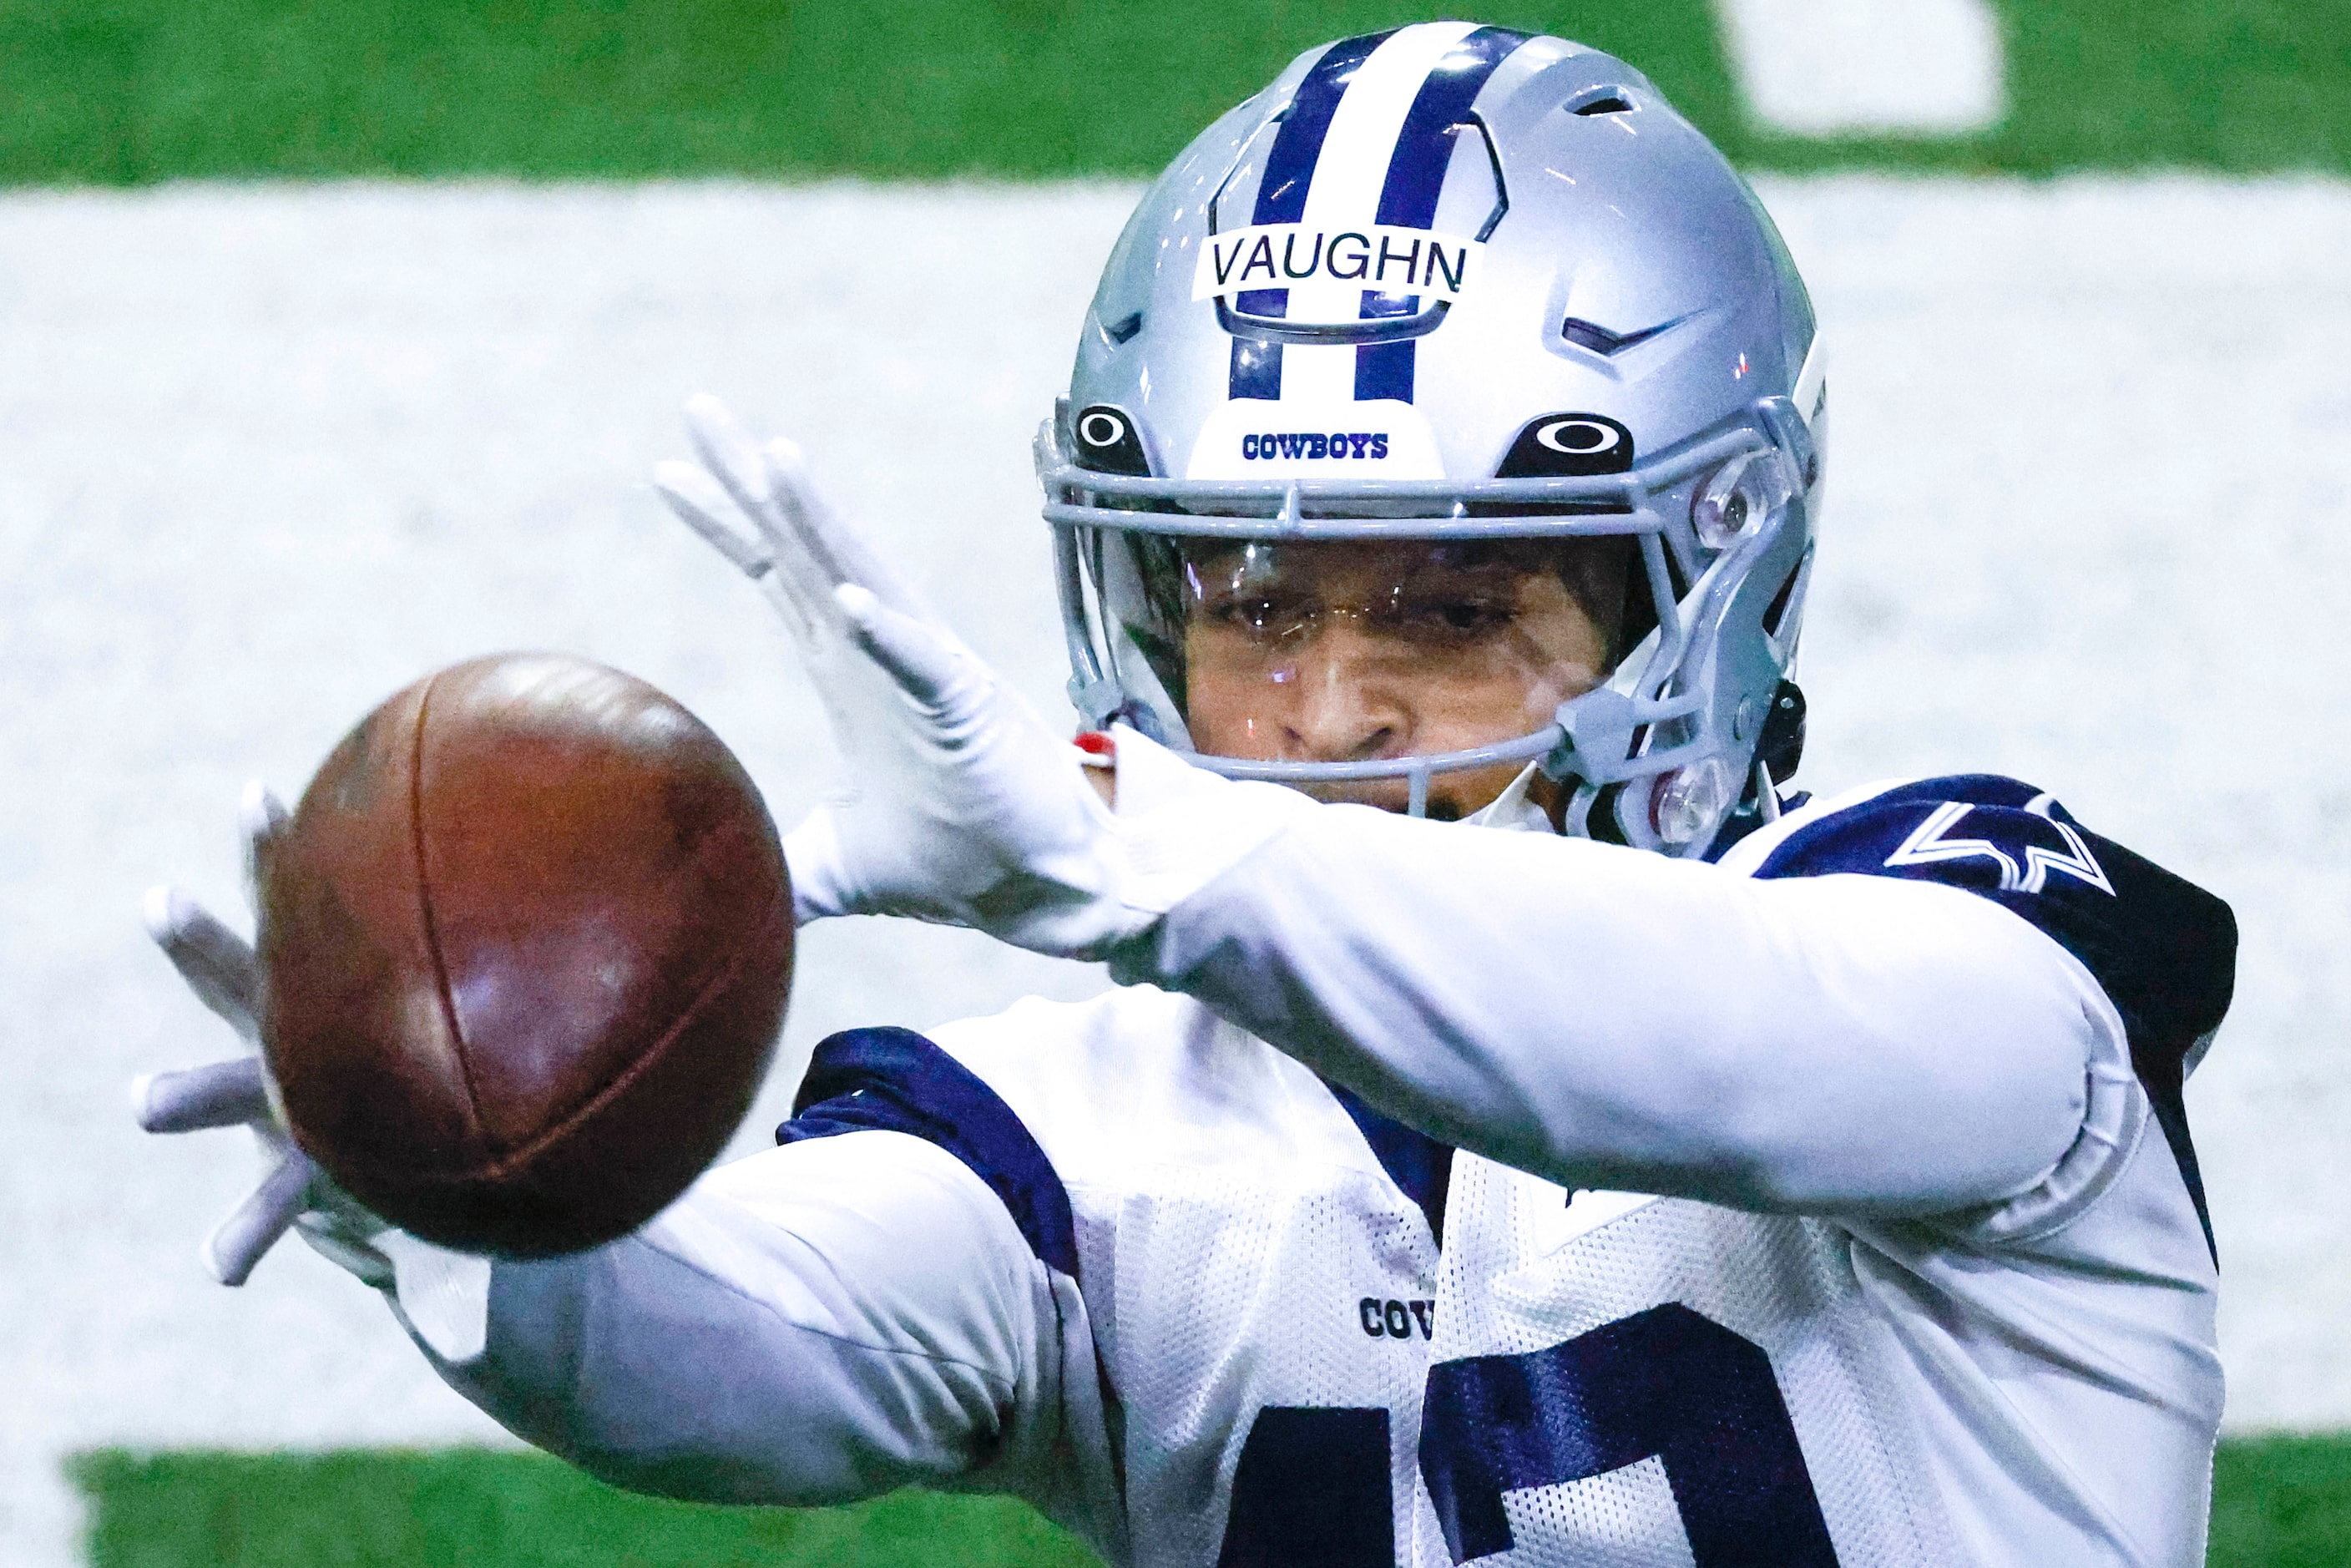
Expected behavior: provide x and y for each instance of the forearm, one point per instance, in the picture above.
(1610, 1018)
(819, 1324)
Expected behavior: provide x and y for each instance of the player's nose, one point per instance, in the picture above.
(1341, 709)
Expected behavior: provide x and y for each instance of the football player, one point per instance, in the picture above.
(1522, 1132)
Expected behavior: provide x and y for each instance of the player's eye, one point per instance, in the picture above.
(1261, 616)
(1471, 615)
(1453, 617)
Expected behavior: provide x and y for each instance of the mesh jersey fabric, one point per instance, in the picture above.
(2032, 1380)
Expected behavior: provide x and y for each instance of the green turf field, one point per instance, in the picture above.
(2278, 1502)
(2282, 1503)
(475, 1509)
(135, 92)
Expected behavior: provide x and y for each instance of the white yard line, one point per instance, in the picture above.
(1867, 67)
(266, 454)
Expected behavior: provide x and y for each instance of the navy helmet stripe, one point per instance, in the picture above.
(1298, 145)
(1384, 370)
(1256, 363)
(1415, 176)
(1425, 147)
(1282, 196)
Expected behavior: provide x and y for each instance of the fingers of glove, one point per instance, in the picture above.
(732, 458)
(233, 1249)
(346, 1232)
(215, 962)
(927, 666)
(815, 554)
(702, 504)
(752, 479)
(346, 1252)
(219, 1094)
(840, 550)
(735, 468)
(810, 540)
(261, 817)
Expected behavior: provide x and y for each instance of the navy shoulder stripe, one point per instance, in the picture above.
(2163, 949)
(1420, 1166)
(893, 1079)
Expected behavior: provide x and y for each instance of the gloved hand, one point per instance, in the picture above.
(435, 1290)
(957, 804)
(218, 966)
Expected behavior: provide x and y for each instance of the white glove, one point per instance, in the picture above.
(218, 966)
(956, 804)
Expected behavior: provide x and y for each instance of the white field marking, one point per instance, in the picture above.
(1829, 67)
(268, 452)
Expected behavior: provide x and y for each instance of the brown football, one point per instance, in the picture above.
(525, 948)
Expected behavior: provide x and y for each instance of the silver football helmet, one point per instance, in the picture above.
(1455, 290)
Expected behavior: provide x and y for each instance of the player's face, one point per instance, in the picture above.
(1357, 651)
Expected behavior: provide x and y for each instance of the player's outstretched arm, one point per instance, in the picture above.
(1610, 1018)
(815, 1325)
(820, 1324)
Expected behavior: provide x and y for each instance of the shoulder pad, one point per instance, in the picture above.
(2162, 949)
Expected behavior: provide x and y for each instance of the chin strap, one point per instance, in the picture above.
(1512, 811)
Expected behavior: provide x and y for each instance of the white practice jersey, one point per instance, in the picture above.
(1831, 1203)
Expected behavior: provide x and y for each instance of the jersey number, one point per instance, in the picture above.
(1668, 1383)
